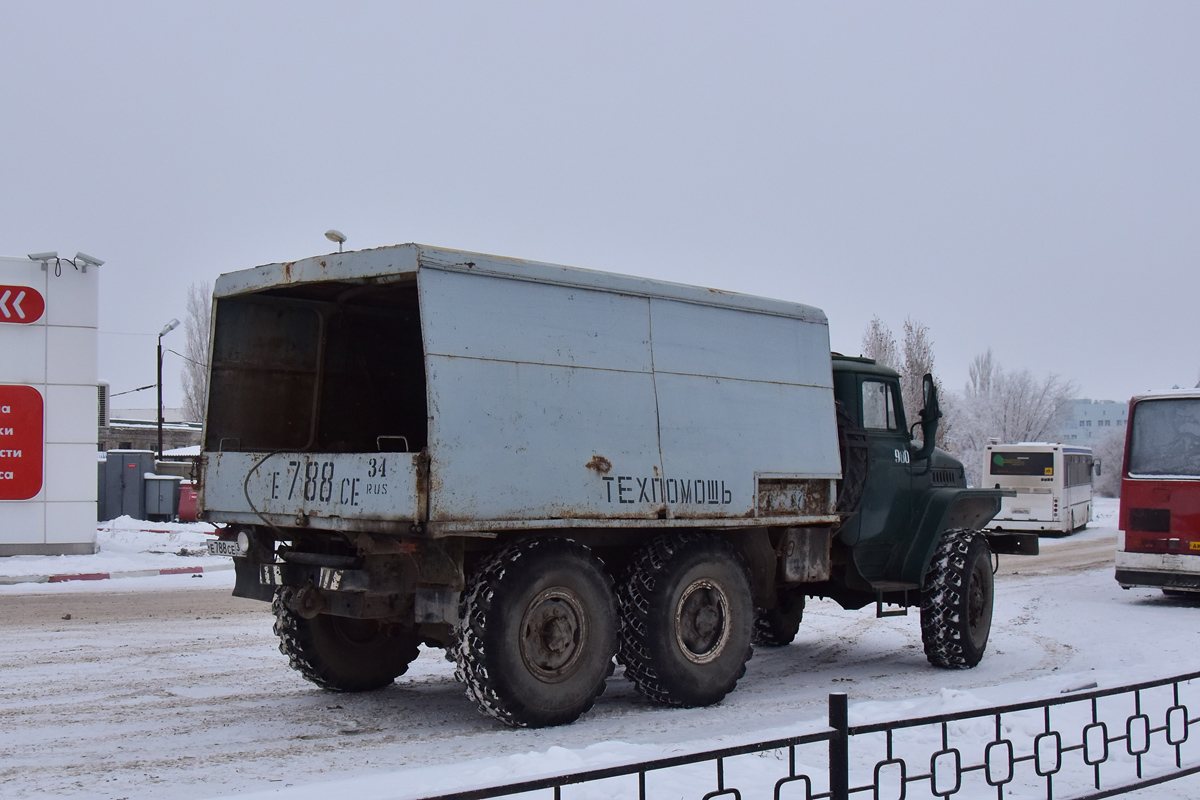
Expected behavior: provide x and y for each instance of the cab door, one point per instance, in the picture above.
(886, 510)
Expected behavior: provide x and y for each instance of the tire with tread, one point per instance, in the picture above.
(956, 600)
(778, 626)
(339, 653)
(537, 633)
(687, 617)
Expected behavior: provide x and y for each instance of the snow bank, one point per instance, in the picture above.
(126, 545)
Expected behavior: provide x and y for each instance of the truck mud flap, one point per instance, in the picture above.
(1013, 544)
(246, 582)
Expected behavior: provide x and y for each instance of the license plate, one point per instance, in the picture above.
(1021, 511)
(222, 547)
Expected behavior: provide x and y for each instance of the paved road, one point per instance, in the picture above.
(92, 608)
(1062, 556)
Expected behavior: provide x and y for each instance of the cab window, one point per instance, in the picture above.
(878, 406)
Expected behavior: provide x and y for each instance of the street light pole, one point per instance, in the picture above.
(170, 326)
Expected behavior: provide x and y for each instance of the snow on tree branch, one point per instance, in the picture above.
(1009, 406)
(879, 343)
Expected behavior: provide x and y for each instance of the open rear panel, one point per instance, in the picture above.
(333, 367)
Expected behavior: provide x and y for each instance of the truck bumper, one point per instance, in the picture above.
(1013, 544)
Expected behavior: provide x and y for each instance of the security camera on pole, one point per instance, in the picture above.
(170, 326)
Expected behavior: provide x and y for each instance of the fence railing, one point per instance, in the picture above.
(1083, 745)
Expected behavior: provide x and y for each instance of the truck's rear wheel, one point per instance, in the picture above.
(686, 620)
(342, 654)
(778, 626)
(956, 601)
(537, 633)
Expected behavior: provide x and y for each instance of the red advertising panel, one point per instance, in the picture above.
(21, 442)
(21, 304)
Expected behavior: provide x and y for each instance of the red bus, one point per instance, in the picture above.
(1159, 541)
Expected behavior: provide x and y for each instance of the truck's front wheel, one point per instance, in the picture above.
(342, 654)
(956, 600)
(686, 620)
(537, 633)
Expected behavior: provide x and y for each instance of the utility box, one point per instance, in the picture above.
(162, 496)
(124, 483)
(48, 346)
(461, 393)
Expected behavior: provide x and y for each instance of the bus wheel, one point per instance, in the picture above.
(537, 633)
(339, 653)
(778, 626)
(686, 620)
(956, 601)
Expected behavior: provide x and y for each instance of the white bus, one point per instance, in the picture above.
(1053, 484)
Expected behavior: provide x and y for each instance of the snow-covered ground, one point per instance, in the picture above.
(167, 687)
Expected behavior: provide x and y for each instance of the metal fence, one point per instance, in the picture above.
(1083, 745)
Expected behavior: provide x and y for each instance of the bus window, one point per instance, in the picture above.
(1022, 463)
(1079, 469)
(1165, 439)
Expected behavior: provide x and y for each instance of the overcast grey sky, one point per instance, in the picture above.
(1024, 176)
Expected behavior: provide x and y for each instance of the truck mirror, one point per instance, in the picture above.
(1097, 466)
(930, 415)
(932, 410)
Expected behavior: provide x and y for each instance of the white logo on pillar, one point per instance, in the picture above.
(16, 305)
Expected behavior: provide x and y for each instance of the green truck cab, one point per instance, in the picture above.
(911, 532)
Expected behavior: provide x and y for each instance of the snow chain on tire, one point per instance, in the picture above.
(956, 600)
(498, 674)
(654, 660)
(315, 649)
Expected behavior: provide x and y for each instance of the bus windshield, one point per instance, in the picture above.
(1022, 464)
(1165, 437)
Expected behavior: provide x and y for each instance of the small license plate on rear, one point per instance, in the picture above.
(223, 547)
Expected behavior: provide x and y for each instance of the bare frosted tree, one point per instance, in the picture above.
(1009, 406)
(197, 326)
(1111, 452)
(879, 343)
(912, 360)
(980, 373)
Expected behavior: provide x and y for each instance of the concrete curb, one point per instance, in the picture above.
(11, 580)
